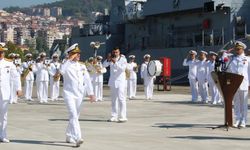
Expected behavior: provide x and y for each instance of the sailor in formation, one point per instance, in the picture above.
(17, 62)
(240, 64)
(12, 56)
(8, 73)
(28, 76)
(132, 68)
(42, 78)
(54, 77)
(148, 80)
(97, 79)
(117, 83)
(202, 76)
(76, 84)
(215, 94)
(191, 62)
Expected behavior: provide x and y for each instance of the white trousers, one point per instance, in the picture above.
(132, 85)
(203, 90)
(194, 89)
(215, 94)
(54, 89)
(119, 105)
(28, 86)
(241, 105)
(42, 91)
(13, 94)
(74, 108)
(3, 118)
(98, 90)
(149, 90)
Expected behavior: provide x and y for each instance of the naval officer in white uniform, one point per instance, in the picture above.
(117, 84)
(148, 80)
(76, 84)
(54, 77)
(97, 80)
(42, 78)
(202, 71)
(8, 73)
(132, 68)
(240, 64)
(28, 76)
(191, 62)
(215, 94)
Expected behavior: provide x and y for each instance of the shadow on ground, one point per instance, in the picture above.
(84, 120)
(50, 143)
(174, 125)
(211, 138)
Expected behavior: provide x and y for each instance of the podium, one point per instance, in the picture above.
(228, 84)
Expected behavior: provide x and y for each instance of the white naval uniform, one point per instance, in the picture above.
(117, 83)
(54, 85)
(8, 73)
(14, 86)
(202, 79)
(192, 73)
(132, 80)
(76, 84)
(42, 80)
(148, 81)
(29, 80)
(241, 65)
(215, 94)
(97, 81)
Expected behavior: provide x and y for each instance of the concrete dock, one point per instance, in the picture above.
(168, 122)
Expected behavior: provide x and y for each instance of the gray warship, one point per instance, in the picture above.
(168, 28)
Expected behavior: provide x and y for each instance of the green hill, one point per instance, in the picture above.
(77, 8)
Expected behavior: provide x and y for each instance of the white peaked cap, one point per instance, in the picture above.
(204, 52)
(72, 47)
(99, 57)
(147, 56)
(213, 53)
(29, 54)
(131, 56)
(42, 54)
(240, 44)
(193, 52)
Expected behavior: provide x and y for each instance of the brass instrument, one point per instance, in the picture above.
(57, 76)
(127, 72)
(98, 68)
(27, 71)
(136, 68)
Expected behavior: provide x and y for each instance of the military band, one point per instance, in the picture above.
(86, 79)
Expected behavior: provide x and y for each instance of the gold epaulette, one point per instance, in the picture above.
(9, 60)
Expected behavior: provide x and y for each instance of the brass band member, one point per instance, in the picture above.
(28, 76)
(132, 68)
(54, 77)
(99, 70)
(42, 78)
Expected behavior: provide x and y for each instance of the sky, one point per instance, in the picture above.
(22, 3)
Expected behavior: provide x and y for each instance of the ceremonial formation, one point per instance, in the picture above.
(85, 79)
